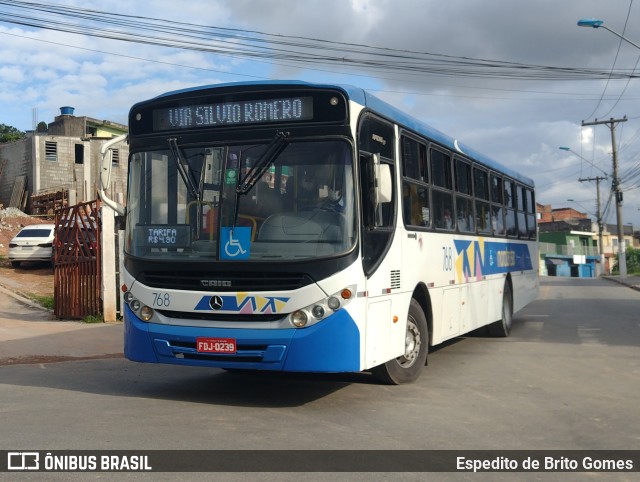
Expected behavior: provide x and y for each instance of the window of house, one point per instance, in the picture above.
(51, 151)
(79, 153)
(115, 156)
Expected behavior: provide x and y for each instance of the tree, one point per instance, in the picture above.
(9, 133)
(633, 261)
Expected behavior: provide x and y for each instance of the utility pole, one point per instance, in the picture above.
(597, 179)
(615, 186)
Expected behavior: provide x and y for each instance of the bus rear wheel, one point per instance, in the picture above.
(407, 367)
(502, 327)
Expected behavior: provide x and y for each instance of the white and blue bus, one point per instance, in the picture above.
(313, 228)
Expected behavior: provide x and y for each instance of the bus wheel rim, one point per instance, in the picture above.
(412, 345)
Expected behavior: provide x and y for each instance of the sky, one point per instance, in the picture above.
(518, 122)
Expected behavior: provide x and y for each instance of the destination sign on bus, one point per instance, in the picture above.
(261, 111)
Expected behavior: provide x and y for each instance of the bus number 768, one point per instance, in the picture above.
(447, 258)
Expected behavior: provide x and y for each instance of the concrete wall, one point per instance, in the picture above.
(28, 157)
(18, 155)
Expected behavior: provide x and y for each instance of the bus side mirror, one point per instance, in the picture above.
(382, 179)
(105, 173)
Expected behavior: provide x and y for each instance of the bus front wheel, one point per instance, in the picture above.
(407, 367)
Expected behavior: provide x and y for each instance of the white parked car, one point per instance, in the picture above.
(32, 243)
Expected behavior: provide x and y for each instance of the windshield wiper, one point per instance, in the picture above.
(275, 147)
(273, 150)
(180, 164)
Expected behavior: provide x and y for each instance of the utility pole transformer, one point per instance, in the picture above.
(615, 186)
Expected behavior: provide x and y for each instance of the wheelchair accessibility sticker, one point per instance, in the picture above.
(235, 243)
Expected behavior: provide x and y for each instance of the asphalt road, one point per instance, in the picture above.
(567, 378)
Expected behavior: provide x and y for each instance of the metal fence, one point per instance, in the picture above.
(565, 250)
(77, 261)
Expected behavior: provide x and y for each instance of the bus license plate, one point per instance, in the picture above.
(215, 345)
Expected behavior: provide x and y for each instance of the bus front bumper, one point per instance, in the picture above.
(332, 345)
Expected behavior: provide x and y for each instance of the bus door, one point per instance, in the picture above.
(381, 260)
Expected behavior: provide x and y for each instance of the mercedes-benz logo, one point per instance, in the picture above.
(215, 302)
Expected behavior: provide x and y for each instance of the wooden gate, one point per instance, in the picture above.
(77, 261)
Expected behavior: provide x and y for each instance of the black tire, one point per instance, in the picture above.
(502, 327)
(15, 264)
(407, 368)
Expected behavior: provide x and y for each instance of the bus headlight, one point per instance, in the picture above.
(146, 313)
(299, 318)
(320, 310)
(333, 303)
(143, 312)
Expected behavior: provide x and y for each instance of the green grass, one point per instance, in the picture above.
(48, 303)
(93, 319)
(45, 301)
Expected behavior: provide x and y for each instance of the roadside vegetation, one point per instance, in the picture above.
(44, 301)
(633, 262)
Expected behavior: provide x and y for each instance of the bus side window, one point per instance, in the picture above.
(378, 221)
(464, 203)
(415, 189)
(531, 215)
(481, 189)
(415, 200)
(483, 217)
(497, 208)
(442, 190)
(510, 212)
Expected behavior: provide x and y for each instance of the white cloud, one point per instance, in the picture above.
(519, 123)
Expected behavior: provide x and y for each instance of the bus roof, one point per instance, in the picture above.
(384, 109)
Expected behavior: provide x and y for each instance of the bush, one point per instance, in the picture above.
(46, 301)
(633, 262)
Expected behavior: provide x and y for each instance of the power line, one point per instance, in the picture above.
(615, 59)
(299, 50)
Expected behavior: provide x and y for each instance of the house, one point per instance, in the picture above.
(569, 243)
(610, 242)
(47, 170)
(569, 248)
(547, 214)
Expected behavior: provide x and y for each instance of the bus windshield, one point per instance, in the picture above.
(193, 202)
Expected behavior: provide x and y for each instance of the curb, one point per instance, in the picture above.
(23, 300)
(621, 282)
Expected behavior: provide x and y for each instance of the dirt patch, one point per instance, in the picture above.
(30, 360)
(31, 278)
